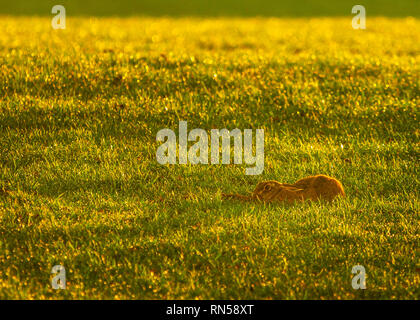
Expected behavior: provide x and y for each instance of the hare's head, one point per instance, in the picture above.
(273, 190)
(266, 188)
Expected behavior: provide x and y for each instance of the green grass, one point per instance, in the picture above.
(267, 8)
(80, 185)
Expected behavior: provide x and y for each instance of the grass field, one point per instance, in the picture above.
(80, 185)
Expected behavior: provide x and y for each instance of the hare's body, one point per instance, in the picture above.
(309, 188)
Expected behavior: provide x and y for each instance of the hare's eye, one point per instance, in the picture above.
(267, 188)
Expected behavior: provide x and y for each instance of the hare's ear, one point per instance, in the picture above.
(287, 185)
(293, 189)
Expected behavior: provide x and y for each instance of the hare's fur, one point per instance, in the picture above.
(310, 188)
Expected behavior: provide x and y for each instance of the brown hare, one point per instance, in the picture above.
(310, 188)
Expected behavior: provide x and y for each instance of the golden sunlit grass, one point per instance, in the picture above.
(80, 185)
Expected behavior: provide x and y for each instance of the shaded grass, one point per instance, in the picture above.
(202, 8)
